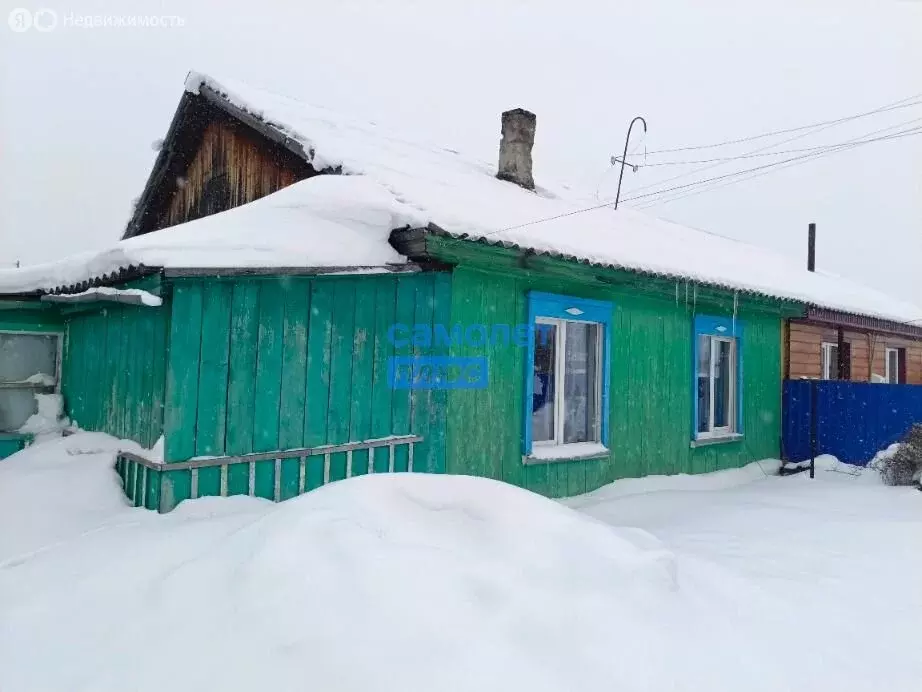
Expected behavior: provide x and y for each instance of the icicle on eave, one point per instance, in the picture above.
(736, 300)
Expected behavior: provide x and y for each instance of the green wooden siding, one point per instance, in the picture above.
(113, 370)
(29, 316)
(259, 364)
(256, 364)
(651, 369)
(11, 443)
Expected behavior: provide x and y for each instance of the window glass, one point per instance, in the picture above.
(715, 380)
(722, 383)
(542, 419)
(893, 365)
(580, 395)
(30, 359)
(25, 355)
(830, 361)
(16, 405)
(704, 382)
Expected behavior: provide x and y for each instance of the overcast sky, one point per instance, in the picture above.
(80, 107)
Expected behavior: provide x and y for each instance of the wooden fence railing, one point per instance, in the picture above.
(162, 486)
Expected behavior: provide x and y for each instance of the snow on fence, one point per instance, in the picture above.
(854, 420)
(278, 475)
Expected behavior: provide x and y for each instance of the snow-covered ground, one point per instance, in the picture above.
(734, 581)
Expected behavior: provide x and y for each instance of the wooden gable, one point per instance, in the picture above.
(213, 159)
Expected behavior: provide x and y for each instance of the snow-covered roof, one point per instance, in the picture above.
(390, 180)
(327, 221)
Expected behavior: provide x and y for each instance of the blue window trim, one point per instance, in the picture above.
(717, 326)
(564, 307)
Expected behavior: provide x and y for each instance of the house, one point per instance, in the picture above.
(835, 345)
(882, 344)
(300, 298)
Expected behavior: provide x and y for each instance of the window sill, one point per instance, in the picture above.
(722, 439)
(580, 451)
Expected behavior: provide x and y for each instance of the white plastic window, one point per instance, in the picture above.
(893, 365)
(567, 382)
(830, 361)
(716, 380)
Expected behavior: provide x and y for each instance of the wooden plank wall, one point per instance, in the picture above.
(651, 391)
(113, 371)
(805, 352)
(259, 364)
(254, 169)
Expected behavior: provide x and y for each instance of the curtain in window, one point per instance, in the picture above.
(543, 422)
(581, 361)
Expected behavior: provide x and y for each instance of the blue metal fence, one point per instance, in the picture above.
(854, 419)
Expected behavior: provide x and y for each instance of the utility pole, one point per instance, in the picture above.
(811, 247)
(622, 160)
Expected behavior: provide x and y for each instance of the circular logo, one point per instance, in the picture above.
(20, 19)
(45, 19)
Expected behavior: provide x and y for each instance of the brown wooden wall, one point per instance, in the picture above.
(804, 349)
(253, 168)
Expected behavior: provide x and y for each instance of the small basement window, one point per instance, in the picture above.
(718, 378)
(567, 378)
(29, 364)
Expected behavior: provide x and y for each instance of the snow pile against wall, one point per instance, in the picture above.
(54, 491)
(48, 421)
(385, 582)
(718, 480)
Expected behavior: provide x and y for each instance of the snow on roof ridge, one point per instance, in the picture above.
(463, 197)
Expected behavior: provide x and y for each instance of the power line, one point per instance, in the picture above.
(849, 144)
(883, 109)
(842, 146)
(749, 175)
(773, 167)
(754, 151)
(741, 156)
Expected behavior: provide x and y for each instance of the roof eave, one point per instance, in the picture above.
(411, 242)
(839, 318)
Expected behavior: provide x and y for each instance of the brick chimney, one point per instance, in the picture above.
(515, 147)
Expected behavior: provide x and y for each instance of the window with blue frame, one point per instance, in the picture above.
(567, 378)
(718, 377)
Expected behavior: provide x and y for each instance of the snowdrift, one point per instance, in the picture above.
(392, 581)
(416, 583)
